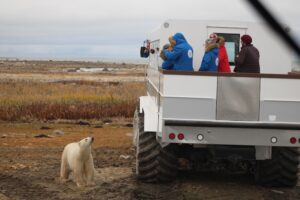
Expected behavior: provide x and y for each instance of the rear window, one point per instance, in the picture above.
(232, 44)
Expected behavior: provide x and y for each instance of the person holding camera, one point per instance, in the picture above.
(181, 54)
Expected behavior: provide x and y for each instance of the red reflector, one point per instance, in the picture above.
(171, 136)
(293, 140)
(180, 136)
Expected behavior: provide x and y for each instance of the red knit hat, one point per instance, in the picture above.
(247, 39)
(213, 36)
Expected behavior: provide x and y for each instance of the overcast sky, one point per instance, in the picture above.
(95, 29)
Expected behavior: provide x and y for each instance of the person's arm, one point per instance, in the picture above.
(240, 58)
(167, 65)
(205, 62)
(226, 61)
(162, 55)
(172, 55)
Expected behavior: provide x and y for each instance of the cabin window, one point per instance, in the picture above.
(232, 44)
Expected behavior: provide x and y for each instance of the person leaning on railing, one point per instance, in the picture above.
(248, 58)
(167, 64)
(181, 55)
(210, 59)
(224, 65)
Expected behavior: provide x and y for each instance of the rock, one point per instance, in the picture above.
(18, 166)
(72, 70)
(42, 136)
(107, 121)
(277, 191)
(98, 124)
(58, 132)
(129, 125)
(3, 136)
(125, 156)
(83, 123)
(45, 128)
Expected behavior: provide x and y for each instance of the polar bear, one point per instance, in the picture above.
(77, 158)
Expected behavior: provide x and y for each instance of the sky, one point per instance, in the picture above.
(109, 29)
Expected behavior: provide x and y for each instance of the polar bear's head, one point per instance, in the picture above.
(86, 142)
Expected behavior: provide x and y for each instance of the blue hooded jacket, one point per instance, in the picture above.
(167, 65)
(210, 61)
(182, 55)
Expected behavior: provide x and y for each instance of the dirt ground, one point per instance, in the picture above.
(30, 164)
(30, 152)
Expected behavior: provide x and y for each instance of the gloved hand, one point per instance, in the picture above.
(172, 41)
(162, 55)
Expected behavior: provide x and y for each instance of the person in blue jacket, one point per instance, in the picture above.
(210, 59)
(181, 56)
(167, 65)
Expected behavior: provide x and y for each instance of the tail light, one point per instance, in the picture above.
(180, 136)
(172, 136)
(293, 140)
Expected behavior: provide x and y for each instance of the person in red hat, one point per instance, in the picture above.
(247, 60)
(213, 36)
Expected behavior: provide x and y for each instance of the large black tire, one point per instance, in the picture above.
(154, 164)
(281, 170)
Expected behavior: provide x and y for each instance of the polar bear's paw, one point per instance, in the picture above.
(63, 180)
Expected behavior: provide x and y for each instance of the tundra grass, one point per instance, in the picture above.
(25, 101)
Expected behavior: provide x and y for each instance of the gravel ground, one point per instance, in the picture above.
(30, 167)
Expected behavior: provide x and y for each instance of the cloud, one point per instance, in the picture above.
(94, 27)
(96, 32)
(109, 9)
(70, 51)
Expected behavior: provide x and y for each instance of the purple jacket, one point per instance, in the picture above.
(248, 60)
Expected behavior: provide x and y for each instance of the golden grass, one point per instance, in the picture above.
(21, 134)
(78, 100)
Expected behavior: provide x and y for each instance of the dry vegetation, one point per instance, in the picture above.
(38, 66)
(26, 101)
(49, 90)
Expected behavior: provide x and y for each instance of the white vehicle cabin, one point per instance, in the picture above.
(198, 99)
(212, 118)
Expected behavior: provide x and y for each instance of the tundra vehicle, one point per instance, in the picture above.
(219, 121)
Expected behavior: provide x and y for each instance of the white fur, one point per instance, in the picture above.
(77, 158)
